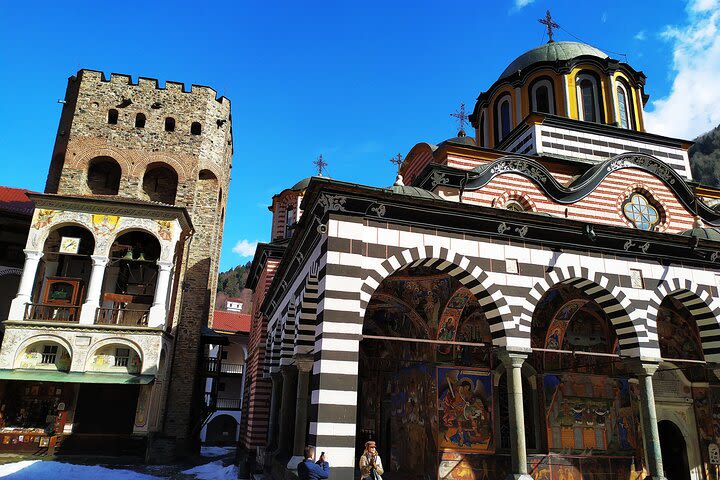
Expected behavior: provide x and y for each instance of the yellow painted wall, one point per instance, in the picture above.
(491, 111)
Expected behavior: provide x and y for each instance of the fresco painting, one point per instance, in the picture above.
(590, 413)
(465, 410)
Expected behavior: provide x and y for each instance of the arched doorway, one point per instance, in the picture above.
(674, 451)
(430, 406)
(221, 430)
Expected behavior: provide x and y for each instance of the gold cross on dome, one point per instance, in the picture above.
(550, 24)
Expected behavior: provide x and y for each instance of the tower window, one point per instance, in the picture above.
(503, 119)
(543, 100)
(169, 124)
(624, 107)
(140, 120)
(112, 116)
(195, 128)
(588, 101)
(289, 220)
(640, 212)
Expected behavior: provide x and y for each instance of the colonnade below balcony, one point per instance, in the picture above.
(90, 310)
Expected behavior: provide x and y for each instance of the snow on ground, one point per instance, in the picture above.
(37, 469)
(216, 451)
(214, 471)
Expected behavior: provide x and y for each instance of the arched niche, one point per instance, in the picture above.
(44, 353)
(115, 356)
(130, 279)
(160, 183)
(103, 176)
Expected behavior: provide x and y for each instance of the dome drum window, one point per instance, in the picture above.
(543, 99)
(587, 98)
(640, 212)
(503, 118)
(625, 110)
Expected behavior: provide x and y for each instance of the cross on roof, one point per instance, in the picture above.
(462, 118)
(320, 164)
(550, 24)
(397, 160)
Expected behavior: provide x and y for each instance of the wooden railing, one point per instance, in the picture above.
(213, 366)
(221, 403)
(122, 316)
(57, 313)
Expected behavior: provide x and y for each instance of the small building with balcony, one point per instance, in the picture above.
(224, 374)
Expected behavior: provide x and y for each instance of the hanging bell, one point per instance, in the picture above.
(141, 258)
(128, 255)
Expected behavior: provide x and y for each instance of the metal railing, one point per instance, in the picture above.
(57, 313)
(122, 316)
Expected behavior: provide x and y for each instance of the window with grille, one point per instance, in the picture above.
(49, 354)
(122, 357)
(638, 209)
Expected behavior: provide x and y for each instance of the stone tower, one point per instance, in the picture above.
(125, 142)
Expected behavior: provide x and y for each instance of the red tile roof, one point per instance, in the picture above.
(14, 200)
(224, 321)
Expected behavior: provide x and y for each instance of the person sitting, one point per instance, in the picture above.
(308, 469)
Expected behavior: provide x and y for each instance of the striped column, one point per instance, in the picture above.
(334, 376)
(287, 409)
(305, 338)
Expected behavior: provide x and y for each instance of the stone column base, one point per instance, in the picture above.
(294, 462)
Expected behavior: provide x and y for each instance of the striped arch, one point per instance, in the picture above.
(304, 342)
(631, 334)
(288, 335)
(272, 350)
(465, 270)
(700, 304)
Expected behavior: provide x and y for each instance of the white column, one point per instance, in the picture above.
(158, 311)
(648, 419)
(17, 307)
(566, 93)
(513, 362)
(92, 299)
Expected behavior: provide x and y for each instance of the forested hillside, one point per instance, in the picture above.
(705, 158)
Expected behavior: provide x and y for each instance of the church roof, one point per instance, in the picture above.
(415, 192)
(708, 233)
(551, 52)
(301, 185)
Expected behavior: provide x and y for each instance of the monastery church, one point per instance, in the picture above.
(534, 298)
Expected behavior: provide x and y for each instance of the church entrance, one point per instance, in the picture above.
(674, 451)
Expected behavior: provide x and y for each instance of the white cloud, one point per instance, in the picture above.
(245, 248)
(693, 105)
(640, 35)
(522, 3)
(604, 17)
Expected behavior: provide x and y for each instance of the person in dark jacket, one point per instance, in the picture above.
(308, 469)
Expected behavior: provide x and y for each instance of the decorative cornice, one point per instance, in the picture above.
(55, 326)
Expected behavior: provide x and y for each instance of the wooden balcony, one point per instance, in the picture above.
(221, 403)
(215, 366)
(134, 317)
(53, 313)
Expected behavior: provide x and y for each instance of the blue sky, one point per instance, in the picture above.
(356, 81)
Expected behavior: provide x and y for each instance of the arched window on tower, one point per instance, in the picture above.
(169, 124)
(104, 176)
(543, 99)
(588, 100)
(195, 128)
(503, 123)
(625, 106)
(140, 120)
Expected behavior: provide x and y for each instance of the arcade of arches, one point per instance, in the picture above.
(441, 405)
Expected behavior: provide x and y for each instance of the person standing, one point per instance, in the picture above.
(370, 463)
(308, 469)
